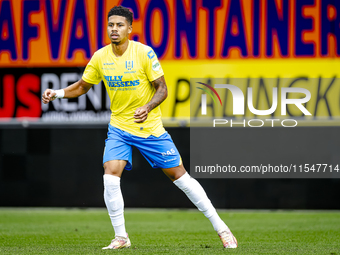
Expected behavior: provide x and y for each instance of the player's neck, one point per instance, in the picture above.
(119, 49)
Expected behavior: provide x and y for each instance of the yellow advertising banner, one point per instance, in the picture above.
(324, 102)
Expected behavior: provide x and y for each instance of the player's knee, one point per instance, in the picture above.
(179, 172)
(175, 173)
(178, 175)
(114, 167)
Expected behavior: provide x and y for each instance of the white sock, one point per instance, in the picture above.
(198, 197)
(114, 203)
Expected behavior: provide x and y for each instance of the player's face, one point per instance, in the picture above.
(118, 29)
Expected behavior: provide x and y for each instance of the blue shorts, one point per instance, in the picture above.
(160, 152)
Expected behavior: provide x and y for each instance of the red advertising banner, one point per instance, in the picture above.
(42, 42)
(21, 90)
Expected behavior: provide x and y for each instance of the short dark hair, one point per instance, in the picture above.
(121, 11)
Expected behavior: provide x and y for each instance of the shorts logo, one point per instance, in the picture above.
(151, 54)
(169, 152)
(170, 160)
(129, 64)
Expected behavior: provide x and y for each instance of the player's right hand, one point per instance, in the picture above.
(48, 96)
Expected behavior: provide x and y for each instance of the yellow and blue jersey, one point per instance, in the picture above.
(128, 82)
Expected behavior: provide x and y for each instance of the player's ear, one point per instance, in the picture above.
(130, 29)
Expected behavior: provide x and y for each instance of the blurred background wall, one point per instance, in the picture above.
(50, 155)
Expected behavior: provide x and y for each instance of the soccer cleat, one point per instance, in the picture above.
(118, 243)
(227, 238)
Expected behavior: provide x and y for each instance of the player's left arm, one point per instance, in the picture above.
(141, 113)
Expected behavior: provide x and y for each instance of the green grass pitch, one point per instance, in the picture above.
(77, 231)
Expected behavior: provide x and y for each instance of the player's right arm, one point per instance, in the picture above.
(74, 90)
(90, 77)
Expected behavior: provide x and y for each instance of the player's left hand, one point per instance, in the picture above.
(141, 114)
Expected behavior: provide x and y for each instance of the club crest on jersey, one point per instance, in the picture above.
(129, 64)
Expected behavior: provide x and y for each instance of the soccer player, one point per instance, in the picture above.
(135, 82)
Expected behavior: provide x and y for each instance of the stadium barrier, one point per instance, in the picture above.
(62, 166)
